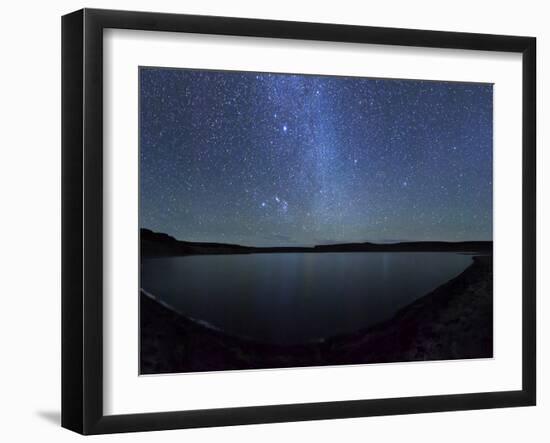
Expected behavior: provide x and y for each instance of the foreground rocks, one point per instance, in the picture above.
(455, 321)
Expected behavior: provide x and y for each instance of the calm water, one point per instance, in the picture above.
(297, 297)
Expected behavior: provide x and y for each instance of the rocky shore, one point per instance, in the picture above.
(454, 321)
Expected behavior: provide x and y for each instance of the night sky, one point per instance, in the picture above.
(278, 159)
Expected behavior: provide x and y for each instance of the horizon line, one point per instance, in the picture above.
(319, 244)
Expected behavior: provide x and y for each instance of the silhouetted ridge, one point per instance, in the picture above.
(155, 244)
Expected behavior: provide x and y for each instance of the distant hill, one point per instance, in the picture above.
(154, 244)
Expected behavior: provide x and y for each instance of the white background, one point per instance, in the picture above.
(30, 221)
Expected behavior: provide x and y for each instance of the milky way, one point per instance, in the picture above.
(279, 159)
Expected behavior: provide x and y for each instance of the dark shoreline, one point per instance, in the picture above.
(155, 244)
(454, 321)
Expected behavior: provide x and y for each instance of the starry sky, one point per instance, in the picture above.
(265, 159)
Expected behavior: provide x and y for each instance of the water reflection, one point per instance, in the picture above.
(296, 297)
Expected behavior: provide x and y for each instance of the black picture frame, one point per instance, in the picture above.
(82, 218)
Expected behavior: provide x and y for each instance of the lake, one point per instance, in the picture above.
(291, 298)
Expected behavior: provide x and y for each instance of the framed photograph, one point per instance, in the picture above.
(269, 221)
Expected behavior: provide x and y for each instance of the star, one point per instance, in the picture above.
(258, 156)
